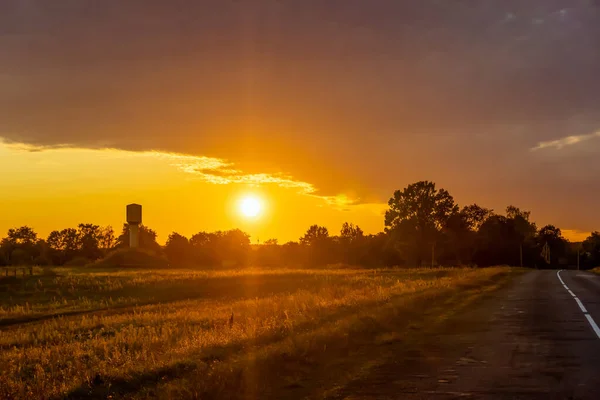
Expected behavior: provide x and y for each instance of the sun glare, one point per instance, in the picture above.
(250, 206)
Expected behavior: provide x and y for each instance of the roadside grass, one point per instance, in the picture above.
(213, 334)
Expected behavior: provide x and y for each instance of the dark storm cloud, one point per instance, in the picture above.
(353, 96)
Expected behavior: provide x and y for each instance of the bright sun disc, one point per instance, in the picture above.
(250, 207)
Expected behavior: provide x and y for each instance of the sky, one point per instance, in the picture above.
(320, 108)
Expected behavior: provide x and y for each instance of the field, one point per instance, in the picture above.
(83, 333)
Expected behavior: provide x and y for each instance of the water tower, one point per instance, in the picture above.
(134, 219)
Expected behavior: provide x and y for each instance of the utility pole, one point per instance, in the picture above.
(521, 254)
(578, 259)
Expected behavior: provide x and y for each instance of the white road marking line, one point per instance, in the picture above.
(593, 324)
(581, 306)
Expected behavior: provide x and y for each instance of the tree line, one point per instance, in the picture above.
(423, 226)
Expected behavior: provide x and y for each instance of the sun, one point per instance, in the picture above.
(250, 206)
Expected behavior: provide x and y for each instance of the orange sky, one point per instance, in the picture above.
(57, 188)
(325, 110)
(51, 189)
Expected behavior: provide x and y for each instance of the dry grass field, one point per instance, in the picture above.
(84, 333)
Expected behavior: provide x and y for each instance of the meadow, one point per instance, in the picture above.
(252, 333)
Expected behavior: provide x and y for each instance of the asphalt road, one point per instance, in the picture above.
(530, 340)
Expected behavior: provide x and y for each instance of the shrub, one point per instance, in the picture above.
(77, 262)
(41, 261)
(131, 258)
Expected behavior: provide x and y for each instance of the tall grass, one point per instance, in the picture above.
(147, 333)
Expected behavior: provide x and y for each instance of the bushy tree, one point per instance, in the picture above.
(107, 239)
(416, 216)
(591, 247)
(459, 240)
(233, 247)
(351, 232)
(474, 216)
(63, 245)
(20, 246)
(422, 223)
(229, 248)
(268, 254)
(507, 239)
(204, 248)
(557, 244)
(23, 236)
(524, 228)
(351, 244)
(89, 237)
(318, 246)
(315, 235)
(178, 250)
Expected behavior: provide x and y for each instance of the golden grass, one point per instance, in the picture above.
(198, 334)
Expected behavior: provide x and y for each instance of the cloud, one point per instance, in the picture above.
(32, 148)
(565, 141)
(371, 98)
(221, 172)
(212, 170)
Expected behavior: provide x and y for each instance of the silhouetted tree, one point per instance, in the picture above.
(269, 254)
(497, 242)
(420, 219)
(351, 232)
(227, 248)
(293, 254)
(460, 234)
(202, 239)
(525, 234)
(43, 254)
(178, 250)
(556, 242)
(23, 236)
(591, 247)
(204, 247)
(523, 226)
(416, 215)
(458, 240)
(475, 215)
(318, 246)
(63, 245)
(20, 246)
(107, 239)
(89, 237)
(234, 248)
(314, 235)
(501, 239)
(351, 244)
